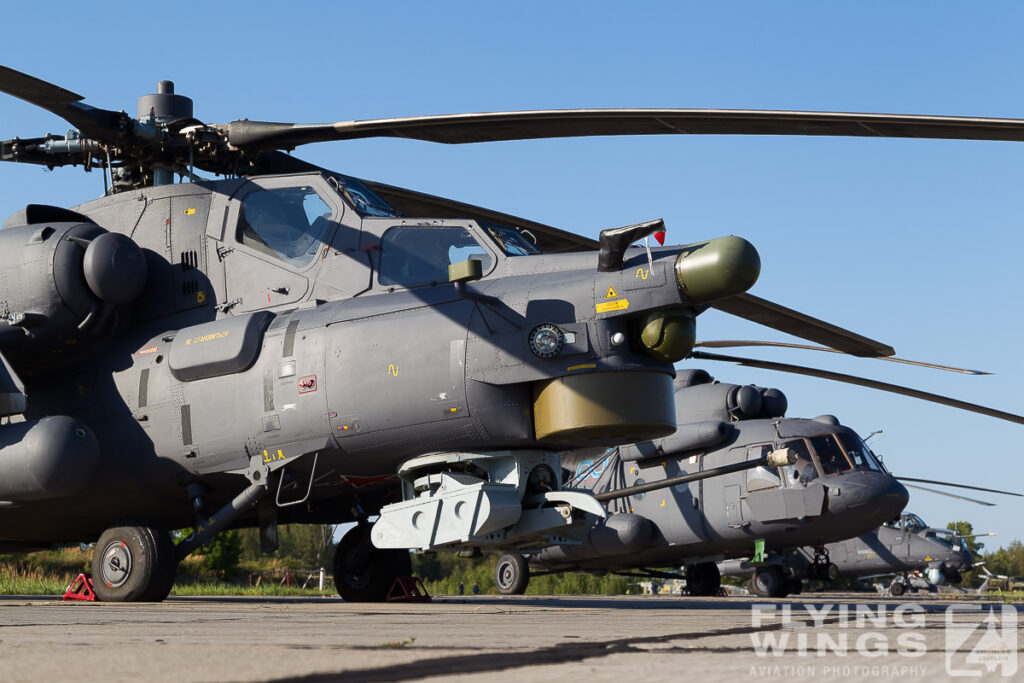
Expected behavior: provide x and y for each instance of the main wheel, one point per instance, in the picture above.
(363, 573)
(768, 582)
(512, 574)
(133, 564)
(897, 588)
(703, 579)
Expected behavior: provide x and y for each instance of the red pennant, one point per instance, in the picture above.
(660, 236)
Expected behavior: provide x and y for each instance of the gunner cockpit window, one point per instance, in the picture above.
(420, 255)
(286, 223)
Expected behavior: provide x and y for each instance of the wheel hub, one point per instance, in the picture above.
(117, 564)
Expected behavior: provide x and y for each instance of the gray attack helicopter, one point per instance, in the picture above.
(285, 343)
(901, 547)
(664, 513)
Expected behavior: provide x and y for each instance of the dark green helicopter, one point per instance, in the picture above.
(281, 343)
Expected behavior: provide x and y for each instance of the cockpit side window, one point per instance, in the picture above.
(830, 454)
(411, 255)
(803, 469)
(286, 223)
(761, 478)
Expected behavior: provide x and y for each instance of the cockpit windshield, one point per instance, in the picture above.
(511, 241)
(912, 522)
(860, 455)
(830, 454)
(359, 195)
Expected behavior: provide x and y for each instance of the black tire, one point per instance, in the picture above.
(703, 579)
(130, 564)
(166, 566)
(512, 574)
(363, 573)
(768, 582)
(897, 588)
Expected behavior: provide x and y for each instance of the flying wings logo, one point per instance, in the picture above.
(976, 649)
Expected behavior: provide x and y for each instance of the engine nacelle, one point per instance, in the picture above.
(46, 458)
(62, 280)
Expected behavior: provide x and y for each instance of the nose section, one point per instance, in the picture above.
(872, 497)
(963, 560)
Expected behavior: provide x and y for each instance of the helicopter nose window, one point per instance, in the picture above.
(830, 454)
(860, 455)
(412, 256)
(287, 224)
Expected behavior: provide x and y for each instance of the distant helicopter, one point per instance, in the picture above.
(288, 343)
(833, 488)
(902, 546)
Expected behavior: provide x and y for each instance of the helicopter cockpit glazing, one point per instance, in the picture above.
(804, 469)
(907, 522)
(285, 223)
(859, 453)
(830, 454)
(511, 241)
(411, 256)
(365, 201)
(912, 522)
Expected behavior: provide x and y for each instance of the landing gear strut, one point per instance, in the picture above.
(133, 564)
(363, 573)
(821, 568)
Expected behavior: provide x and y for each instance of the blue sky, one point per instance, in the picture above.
(916, 243)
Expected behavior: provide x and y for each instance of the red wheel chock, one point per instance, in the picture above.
(408, 589)
(80, 589)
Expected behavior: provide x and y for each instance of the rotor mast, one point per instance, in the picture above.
(159, 109)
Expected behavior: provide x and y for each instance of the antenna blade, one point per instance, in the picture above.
(864, 382)
(951, 495)
(735, 343)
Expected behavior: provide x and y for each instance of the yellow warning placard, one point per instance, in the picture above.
(605, 306)
(612, 294)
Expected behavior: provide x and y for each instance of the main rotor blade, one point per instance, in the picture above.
(864, 382)
(558, 123)
(960, 486)
(98, 124)
(730, 343)
(787, 320)
(951, 495)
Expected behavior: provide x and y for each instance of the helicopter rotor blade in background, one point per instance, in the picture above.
(561, 123)
(734, 343)
(778, 317)
(951, 495)
(861, 381)
(960, 486)
(98, 124)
